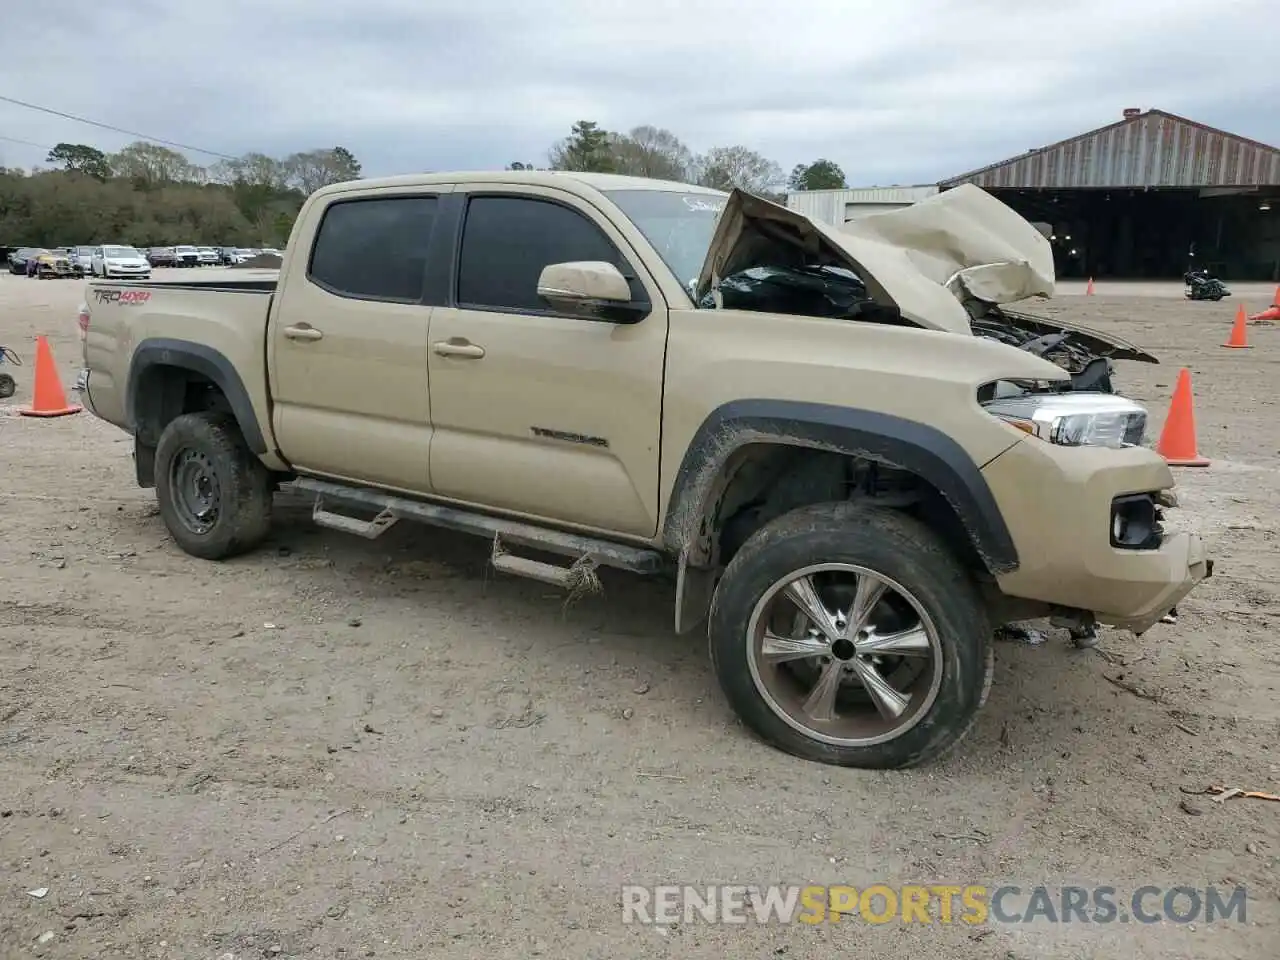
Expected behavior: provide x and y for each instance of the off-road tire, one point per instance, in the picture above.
(884, 541)
(8, 386)
(244, 486)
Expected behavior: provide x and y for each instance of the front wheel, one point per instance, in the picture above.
(214, 494)
(851, 636)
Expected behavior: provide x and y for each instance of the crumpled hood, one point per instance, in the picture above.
(922, 259)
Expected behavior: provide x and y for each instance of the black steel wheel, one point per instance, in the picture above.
(214, 494)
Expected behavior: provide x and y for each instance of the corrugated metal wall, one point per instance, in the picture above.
(831, 206)
(1154, 149)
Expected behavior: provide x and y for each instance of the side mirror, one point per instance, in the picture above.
(583, 284)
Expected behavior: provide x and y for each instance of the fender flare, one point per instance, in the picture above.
(893, 441)
(201, 359)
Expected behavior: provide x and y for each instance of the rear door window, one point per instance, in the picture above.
(374, 249)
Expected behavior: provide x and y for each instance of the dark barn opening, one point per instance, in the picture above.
(1149, 198)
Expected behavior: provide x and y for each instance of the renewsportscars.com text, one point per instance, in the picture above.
(929, 904)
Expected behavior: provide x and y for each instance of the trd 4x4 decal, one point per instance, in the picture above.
(122, 296)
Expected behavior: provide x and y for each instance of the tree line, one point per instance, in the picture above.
(648, 151)
(152, 195)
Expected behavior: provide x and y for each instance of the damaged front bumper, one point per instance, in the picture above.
(1061, 505)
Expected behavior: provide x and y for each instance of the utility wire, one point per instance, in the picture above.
(107, 126)
(27, 143)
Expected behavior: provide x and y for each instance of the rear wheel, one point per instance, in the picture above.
(851, 636)
(214, 494)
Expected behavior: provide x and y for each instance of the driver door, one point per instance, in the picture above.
(537, 412)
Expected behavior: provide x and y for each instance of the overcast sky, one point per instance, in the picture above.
(907, 91)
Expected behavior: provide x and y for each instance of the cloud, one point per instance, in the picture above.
(895, 93)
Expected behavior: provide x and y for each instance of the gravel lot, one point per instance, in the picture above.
(337, 748)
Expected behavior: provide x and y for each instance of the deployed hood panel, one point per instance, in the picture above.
(753, 232)
(921, 260)
(968, 241)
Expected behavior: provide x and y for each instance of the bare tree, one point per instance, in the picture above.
(151, 165)
(727, 167)
(648, 151)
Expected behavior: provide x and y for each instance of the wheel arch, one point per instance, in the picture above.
(690, 527)
(170, 377)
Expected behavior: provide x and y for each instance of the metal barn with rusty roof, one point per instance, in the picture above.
(1149, 196)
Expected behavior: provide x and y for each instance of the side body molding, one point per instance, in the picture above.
(198, 358)
(893, 441)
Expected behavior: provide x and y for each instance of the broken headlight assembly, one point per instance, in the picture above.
(1074, 419)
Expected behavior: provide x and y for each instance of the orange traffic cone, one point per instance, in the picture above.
(1239, 339)
(1275, 301)
(1178, 439)
(1088, 291)
(1269, 315)
(49, 398)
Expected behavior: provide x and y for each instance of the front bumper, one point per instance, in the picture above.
(1057, 502)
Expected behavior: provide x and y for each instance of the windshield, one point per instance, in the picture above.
(679, 224)
(84, 251)
(184, 249)
(120, 252)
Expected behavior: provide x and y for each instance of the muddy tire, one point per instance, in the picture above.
(214, 494)
(851, 636)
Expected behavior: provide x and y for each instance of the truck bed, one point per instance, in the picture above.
(131, 325)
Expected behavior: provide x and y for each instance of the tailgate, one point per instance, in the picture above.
(214, 330)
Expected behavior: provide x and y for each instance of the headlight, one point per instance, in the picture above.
(1075, 419)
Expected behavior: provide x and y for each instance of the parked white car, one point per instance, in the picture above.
(119, 261)
(209, 256)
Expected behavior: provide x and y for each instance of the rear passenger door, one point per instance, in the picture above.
(347, 347)
(536, 411)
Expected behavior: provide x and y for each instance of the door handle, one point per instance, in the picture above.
(303, 331)
(457, 347)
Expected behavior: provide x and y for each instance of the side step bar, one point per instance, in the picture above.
(393, 508)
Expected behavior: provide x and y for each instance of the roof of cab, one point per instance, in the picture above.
(562, 178)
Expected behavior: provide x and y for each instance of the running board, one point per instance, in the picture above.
(392, 508)
(369, 529)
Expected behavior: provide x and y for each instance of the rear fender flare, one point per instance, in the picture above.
(201, 359)
(894, 441)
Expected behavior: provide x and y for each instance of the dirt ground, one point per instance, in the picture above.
(340, 748)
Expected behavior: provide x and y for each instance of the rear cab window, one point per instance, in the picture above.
(374, 248)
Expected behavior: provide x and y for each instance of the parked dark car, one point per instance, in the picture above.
(18, 259)
(160, 257)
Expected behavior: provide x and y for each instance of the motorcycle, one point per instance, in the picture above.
(8, 387)
(1202, 285)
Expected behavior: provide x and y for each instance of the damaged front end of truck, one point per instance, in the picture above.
(951, 263)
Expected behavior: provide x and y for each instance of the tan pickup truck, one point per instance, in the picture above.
(854, 462)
